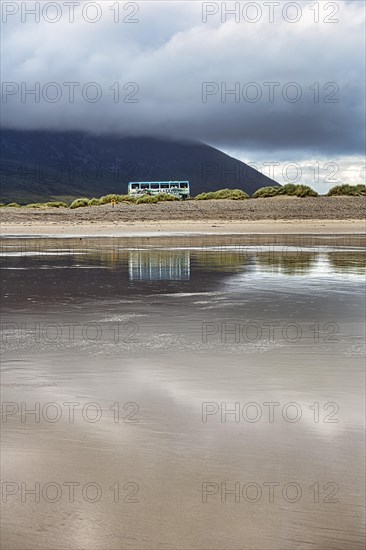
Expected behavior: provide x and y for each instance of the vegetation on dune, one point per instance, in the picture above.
(114, 198)
(56, 204)
(265, 192)
(147, 199)
(50, 204)
(289, 190)
(166, 197)
(79, 203)
(351, 190)
(139, 199)
(126, 198)
(233, 194)
(297, 190)
(93, 202)
(107, 199)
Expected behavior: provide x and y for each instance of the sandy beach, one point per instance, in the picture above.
(149, 334)
(282, 215)
(214, 227)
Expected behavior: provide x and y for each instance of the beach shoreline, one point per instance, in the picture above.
(184, 227)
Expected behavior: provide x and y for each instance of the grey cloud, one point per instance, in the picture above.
(170, 53)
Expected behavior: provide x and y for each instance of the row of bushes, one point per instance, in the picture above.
(290, 190)
(351, 190)
(50, 204)
(233, 194)
(107, 199)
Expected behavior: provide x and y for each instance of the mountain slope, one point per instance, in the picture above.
(39, 165)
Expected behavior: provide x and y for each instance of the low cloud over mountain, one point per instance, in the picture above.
(191, 70)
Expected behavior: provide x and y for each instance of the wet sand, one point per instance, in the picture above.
(184, 327)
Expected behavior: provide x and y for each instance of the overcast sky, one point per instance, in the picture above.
(181, 60)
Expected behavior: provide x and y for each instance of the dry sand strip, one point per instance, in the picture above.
(147, 228)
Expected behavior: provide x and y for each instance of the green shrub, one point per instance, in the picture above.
(93, 202)
(351, 190)
(55, 204)
(292, 190)
(107, 199)
(305, 191)
(126, 198)
(51, 204)
(12, 205)
(288, 190)
(233, 194)
(266, 192)
(166, 197)
(147, 199)
(78, 203)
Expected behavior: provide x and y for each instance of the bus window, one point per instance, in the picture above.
(145, 186)
(164, 186)
(155, 186)
(135, 186)
(183, 185)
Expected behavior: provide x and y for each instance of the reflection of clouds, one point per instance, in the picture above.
(339, 265)
(346, 262)
(288, 263)
(123, 317)
(188, 394)
(356, 350)
(315, 265)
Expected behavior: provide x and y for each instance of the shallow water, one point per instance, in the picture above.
(186, 392)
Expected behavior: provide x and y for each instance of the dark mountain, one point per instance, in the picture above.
(39, 165)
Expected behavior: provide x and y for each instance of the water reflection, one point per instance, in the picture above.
(292, 263)
(226, 322)
(179, 265)
(159, 266)
(348, 262)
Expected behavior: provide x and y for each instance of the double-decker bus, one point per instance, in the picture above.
(178, 188)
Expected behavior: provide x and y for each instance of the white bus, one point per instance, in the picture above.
(178, 188)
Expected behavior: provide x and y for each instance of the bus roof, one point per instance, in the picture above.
(175, 181)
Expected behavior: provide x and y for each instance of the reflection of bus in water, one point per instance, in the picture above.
(178, 188)
(159, 266)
